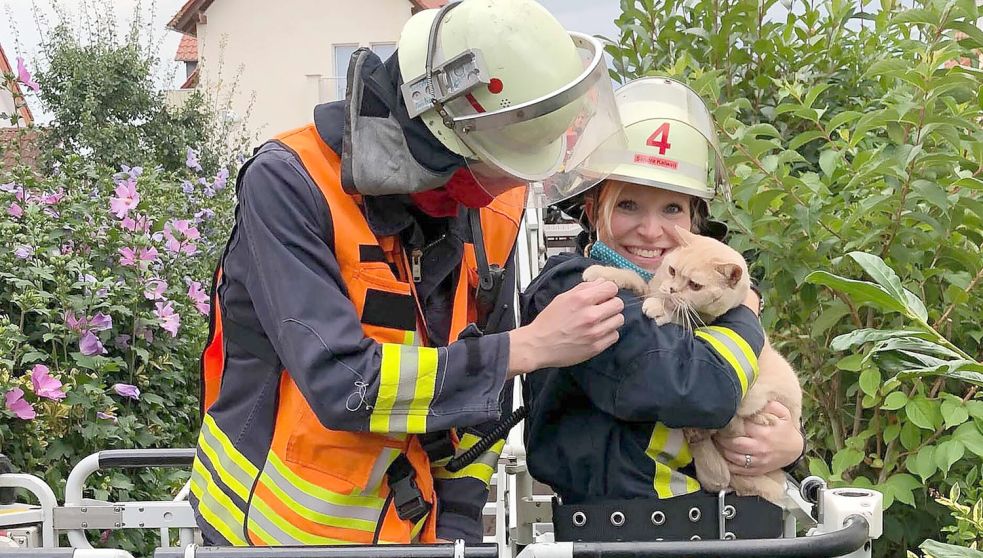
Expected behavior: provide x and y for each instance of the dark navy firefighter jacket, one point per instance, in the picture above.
(607, 429)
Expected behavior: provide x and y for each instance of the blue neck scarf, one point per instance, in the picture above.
(607, 256)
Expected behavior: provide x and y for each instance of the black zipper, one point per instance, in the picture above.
(382, 518)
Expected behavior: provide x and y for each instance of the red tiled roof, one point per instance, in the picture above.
(186, 19)
(187, 50)
(192, 81)
(5, 68)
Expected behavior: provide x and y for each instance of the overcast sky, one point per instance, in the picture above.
(19, 32)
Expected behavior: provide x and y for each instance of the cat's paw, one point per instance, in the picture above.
(655, 309)
(713, 474)
(753, 402)
(594, 273)
(764, 419)
(695, 435)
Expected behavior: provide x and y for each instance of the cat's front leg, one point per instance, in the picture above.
(624, 278)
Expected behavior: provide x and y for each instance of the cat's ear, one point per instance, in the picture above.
(731, 272)
(683, 236)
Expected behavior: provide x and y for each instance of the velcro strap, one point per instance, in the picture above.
(438, 445)
(251, 341)
(672, 519)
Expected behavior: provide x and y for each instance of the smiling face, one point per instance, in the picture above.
(638, 221)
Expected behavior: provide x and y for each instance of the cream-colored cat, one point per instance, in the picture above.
(696, 283)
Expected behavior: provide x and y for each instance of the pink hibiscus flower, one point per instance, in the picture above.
(18, 405)
(126, 198)
(170, 320)
(24, 76)
(46, 385)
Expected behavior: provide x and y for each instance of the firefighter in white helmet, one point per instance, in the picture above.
(362, 316)
(608, 429)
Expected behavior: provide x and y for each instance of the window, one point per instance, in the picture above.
(342, 54)
(384, 50)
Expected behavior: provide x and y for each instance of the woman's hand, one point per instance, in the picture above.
(770, 447)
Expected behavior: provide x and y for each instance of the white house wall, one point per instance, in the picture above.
(285, 50)
(6, 106)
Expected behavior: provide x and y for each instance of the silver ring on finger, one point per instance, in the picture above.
(747, 460)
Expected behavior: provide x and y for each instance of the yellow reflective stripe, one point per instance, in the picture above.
(336, 514)
(283, 532)
(482, 468)
(723, 345)
(230, 450)
(228, 518)
(232, 468)
(426, 383)
(407, 382)
(468, 440)
(668, 450)
(742, 346)
(365, 501)
(388, 386)
(417, 528)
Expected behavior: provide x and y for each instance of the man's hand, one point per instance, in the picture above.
(574, 327)
(770, 447)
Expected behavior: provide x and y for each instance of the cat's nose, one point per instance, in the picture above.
(673, 290)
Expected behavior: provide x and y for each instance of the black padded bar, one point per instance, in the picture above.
(130, 458)
(848, 539)
(380, 551)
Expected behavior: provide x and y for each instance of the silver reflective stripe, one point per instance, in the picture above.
(671, 451)
(379, 469)
(746, 367)
(489, 458)
(409, 371)
(225, 463)
(316, 504)
(212, 508)
(270, 529)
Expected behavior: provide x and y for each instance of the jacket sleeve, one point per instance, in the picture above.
(350, 381)
(661, 373)
(462, 495)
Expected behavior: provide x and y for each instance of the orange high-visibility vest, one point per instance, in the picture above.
(322, 486)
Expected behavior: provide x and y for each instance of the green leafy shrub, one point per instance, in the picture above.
(105, 273)
(848, 130)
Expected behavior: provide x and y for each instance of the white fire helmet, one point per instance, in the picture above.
(501, 83)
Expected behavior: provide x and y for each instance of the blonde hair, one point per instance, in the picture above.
(605, 198)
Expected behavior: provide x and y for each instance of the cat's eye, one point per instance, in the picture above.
(695, 286)
(672, 271)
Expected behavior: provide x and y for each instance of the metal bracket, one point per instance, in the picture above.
(456, 77)
(136, 515)
(105, 516)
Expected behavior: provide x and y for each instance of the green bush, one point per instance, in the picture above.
(110, 244)
(849, 130)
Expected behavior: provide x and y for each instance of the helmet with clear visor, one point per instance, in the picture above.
(672, 143)
(501, 83)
